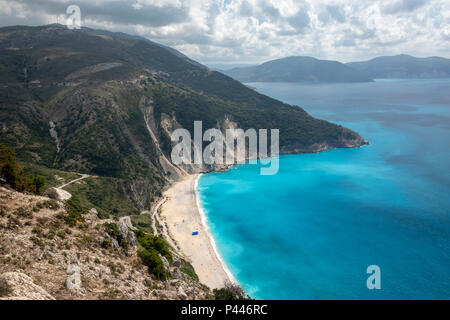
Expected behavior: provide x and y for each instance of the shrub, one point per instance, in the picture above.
(37, 231)
(5, 289)
(50, 204)
(38, 206)
(16, 178)
(37, 241)
(149, 241)
(23, 213)
(30, 183)
(188, 269)
(42, 221)
(153, 247)
(151, 259)
(142, 222)
(8, 165)
(86, 239)
(51, 234)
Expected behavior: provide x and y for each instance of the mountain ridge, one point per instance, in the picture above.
(298, 69)
(398, 66)
(403, 66)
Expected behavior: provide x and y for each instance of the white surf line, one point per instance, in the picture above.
(204, 220)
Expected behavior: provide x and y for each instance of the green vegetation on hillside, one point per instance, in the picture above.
(53, 177)
(142, 222)
(188, 269)
(98, 114)
(105, 194)
(74, 212)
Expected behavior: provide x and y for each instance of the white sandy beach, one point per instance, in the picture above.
(183, 216)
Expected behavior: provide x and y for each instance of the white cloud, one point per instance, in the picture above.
(251, 31)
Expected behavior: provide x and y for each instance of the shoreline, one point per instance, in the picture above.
(183, 214)
(204, 219)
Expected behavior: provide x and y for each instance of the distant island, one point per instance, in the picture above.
(308, 69)
(403, 66)
(298, 69)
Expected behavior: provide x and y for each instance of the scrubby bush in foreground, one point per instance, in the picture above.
(74, 212)
(152, 248)
(16, 178)
(152, 260)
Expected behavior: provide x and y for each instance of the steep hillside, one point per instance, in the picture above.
(404, 66)
(298, 69)
(105, 104)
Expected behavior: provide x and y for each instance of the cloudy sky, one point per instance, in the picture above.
(254, 31)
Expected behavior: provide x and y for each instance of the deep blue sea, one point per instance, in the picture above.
(311, 231)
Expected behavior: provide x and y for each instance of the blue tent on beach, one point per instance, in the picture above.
(195, 233)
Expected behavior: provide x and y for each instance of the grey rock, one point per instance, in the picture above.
(127, 234)
(93, 212)
(115, 244)
(177, 263)
(177, 274)
(174, 282)
(73, 281)
(181, 293)
(22, 287)
(57, 194)
(165, 262)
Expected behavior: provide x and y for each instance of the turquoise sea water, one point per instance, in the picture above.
(311, 231)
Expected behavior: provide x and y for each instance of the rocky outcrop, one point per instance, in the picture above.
(181, 293)
(172, 171)
(22, 287)
(60, 261)
(94, 212)
(127, 234)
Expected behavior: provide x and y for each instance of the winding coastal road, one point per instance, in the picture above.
(83, 176)
(65, 195)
